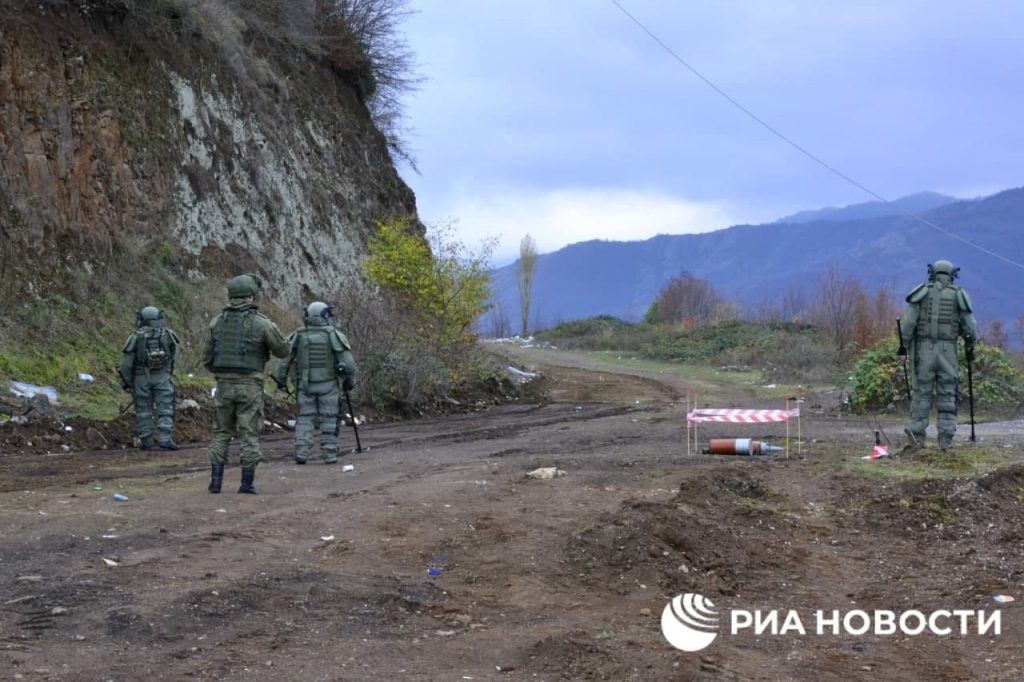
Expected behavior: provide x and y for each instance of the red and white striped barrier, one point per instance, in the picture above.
(741, 416)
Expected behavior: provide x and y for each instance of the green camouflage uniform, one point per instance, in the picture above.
(938, 312)
(319, 356)
(238, 346)
(147, 362)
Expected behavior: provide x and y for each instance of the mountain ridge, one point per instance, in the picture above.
(756, 265)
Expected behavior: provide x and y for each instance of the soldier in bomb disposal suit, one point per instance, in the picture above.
(320, 358)
(938, 313)
(147, 362)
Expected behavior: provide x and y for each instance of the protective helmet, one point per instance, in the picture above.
(149, 314)
(318, 309)
(942, 267)
(243, 286)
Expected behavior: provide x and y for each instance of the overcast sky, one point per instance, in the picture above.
(565, 121)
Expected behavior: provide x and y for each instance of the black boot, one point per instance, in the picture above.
(247, 476)
(146, 443)
(167, 443)
(216, 477)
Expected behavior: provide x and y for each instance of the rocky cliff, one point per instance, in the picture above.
(204, 146)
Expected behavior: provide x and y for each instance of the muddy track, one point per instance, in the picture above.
(438, 558)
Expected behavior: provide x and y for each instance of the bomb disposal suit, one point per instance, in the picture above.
(320, 359)
(147, 362)
(938, 312)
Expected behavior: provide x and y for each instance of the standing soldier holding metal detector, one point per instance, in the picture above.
(938, 312)
(320, 359)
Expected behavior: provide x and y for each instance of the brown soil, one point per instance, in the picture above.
(438, 559)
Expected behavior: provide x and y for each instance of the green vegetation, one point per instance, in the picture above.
(777, 351)
(81, 325)
(878, 382)
(960, 462)
(422, 349)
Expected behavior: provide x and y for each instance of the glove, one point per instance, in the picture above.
(347, 384)
(125, 386)
(969, 352)
(280, 386)
(901, 351)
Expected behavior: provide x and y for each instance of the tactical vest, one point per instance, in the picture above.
(236, 345)
(151, 351)
(315, 356)
(939, 316)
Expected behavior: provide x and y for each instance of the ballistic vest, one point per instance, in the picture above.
(939, 316)
(236, 344)
(315, 356)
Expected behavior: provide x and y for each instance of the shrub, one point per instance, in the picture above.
(878, 382)
(439, 289)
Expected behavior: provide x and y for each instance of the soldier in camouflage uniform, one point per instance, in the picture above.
(239, 344)
(320, 356)
(939, 311)
(147, 361)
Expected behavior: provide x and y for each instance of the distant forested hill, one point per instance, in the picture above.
(755, 265)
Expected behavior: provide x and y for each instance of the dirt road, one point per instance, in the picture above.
(437, 558)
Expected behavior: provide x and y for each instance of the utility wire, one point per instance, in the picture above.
(805, 152)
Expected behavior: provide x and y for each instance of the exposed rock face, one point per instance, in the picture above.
(110, 136)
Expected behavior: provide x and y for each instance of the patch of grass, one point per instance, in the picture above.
(962, 462)
(934, 507)
(769, 351)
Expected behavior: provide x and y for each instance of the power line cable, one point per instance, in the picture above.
(807, 153)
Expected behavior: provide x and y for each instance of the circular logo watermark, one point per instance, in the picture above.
(690, 622)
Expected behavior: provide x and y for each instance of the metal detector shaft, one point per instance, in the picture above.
(970, 394)
(355, 427)
(906, 375)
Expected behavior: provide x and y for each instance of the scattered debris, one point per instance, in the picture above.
(19, 420)
(188, 404)
(435, 571)
(348, 467)
(110, 562)
(1003, 598)
(87, 378)
(327, 538)
(24, 390)
(878, 452)
(521, 376)
(545, 473)
(120, 498)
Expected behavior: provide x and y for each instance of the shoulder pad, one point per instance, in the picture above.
(917, 294)
(338, 341)
(964, 300)
(129, 345)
